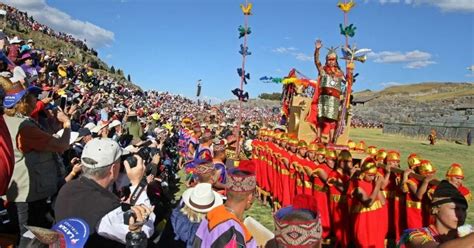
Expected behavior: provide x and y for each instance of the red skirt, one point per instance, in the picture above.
(323, 208)
(368, 231)
(339, 220)
(414, 215)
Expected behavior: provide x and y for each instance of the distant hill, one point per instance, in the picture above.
(442, 103)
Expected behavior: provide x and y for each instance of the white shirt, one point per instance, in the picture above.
(112, 227)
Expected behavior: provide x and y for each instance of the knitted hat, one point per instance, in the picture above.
(242, 179)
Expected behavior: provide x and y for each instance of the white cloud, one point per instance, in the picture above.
(419, 64)
(294, 52)
(389, 1)
(471, 71)
(388, 84)
(60, 21)
(284, 49)
(449, 5)
(414, 59)
(444, 5)
(303, 57)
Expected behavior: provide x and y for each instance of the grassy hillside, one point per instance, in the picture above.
(423, 92)
(73, 53)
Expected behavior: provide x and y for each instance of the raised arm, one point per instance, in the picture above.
(318, 46)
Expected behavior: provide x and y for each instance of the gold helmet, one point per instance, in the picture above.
(413, 161)
(270, 133)
(321, 150)
(302, 144)
(371, 150)
(344, 155)
(393, 156)
(426, 168)
(351, 144)
(369, 166)
(455, 170)
(313, 147)
(360, 146)
(331, 154)
(293, 142)
(381, 155)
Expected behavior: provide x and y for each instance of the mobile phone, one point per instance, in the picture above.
(62, 104)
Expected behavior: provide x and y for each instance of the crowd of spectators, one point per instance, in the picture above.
(19, 20)
(358, 122)
(67, 131)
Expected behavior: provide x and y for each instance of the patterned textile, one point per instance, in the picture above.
(427, 234)
(241, 183)
(205, 168)
(220, 229)
(298, 234)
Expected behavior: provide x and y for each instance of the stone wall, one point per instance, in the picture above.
(446, 131)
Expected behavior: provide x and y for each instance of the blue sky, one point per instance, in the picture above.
(169, 45)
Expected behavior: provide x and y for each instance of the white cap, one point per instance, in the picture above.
(101, 152)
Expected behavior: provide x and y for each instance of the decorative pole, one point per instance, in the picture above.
(347, 31)
(243, 33)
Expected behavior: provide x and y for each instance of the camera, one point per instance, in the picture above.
(147, 154)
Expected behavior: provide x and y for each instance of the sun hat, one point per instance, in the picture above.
(15, 40)
(100, 125)
(90, 125)
(202, 198)
(101, 152)
(114, 123)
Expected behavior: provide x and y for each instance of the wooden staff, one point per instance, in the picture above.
(414, 175)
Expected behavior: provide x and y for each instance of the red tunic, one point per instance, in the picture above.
(308, 167)
(298, 165)
(339, 209)
(256, 159)
(286, 188)
(368, 226)
(263, 169)
(276, 189)
(465, 192)
(413, 207)
(320, 192)
(396, 213)
(272, 161)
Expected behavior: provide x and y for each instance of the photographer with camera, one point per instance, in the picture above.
(88, 198)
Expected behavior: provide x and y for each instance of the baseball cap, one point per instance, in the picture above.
(101, 152)
(67, 233)
(82, 132)
(16, 93)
